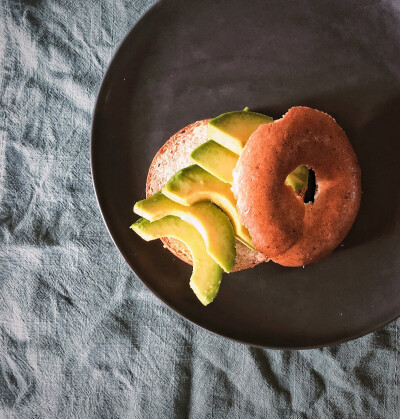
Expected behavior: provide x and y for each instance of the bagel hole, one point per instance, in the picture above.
(311, 187)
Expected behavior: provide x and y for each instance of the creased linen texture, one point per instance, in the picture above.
(81, 336)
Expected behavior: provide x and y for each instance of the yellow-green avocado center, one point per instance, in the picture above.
(213, 225)
(207, 274)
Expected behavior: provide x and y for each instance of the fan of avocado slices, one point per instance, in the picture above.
(197, 206)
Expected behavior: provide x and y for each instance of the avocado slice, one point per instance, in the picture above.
(233, 129)
(216, 159)
(207, 274)
(193, 184)
(298, 179)
(220, 162)
(213, 225)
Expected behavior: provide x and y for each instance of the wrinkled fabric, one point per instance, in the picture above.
(80, 335)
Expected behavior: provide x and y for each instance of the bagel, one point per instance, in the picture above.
(281, 225)
(173, 156)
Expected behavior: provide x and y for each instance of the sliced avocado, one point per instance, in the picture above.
(298, 179)
(216, 159)
(207, 274)
(194, 184)
(233, 129)
(220, 162)
(213, 225)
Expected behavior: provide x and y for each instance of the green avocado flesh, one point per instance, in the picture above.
(233, 129)
(213, 225)
(220, 162)
(194, 184)
(216, 159)
(298, 179)
(207, 274)
(230, 132)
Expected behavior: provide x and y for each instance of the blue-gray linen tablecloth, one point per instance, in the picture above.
(80, 335)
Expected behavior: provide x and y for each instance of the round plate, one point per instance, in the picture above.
(185, 61)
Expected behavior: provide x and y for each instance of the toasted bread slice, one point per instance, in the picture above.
(173, 156)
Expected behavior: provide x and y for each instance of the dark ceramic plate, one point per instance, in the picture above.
(186, 61)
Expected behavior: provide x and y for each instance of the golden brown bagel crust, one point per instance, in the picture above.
(281, 225)
(174, 155)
